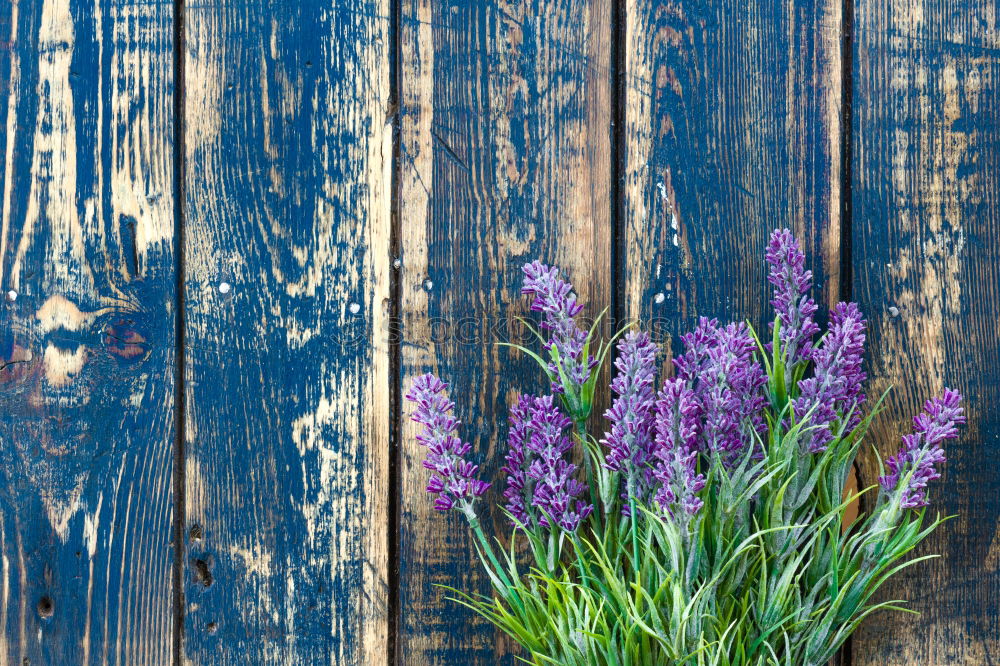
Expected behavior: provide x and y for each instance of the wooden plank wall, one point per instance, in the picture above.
(358, 187)
(729, 133)
(87, 347)
(925, 185)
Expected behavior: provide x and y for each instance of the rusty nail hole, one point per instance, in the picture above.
(212, 627)
(202, 573)
(196, 533)
(45, 607)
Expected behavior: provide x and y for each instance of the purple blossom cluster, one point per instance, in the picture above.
(520, 489)
(540, 480)
(659, 442)
(833, 393)
(730, 390)
(555, 299)
(791, 300)
(630, 441)
(454, 478)
(692, 363)
(913, 467)
(677, 428)
(715, 405)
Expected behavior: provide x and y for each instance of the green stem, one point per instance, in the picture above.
(632, 521)
(554, 550)
(584, 568)
(581, 431)
(477, 529)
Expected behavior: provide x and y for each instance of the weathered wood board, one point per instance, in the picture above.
(286, 255)
(86, 332)
(926, 256)
(505, 157)
(729, 133)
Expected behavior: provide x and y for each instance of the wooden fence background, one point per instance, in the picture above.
(232, 230)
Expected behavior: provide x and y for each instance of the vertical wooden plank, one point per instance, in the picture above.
(288, 167)
(732, 128)
(505, 144)
(86, 332)
(926, 199)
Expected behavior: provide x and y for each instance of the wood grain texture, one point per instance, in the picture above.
(732, 129)
(926, 239)
(506, 156)
(86, 332)
(288, 170)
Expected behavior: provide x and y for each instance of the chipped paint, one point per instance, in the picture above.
(256, 561)
(534, 174)
(61, 508)
(59, 312)
(926, 257)
(288, 195)
(62, 365)
(87, 229)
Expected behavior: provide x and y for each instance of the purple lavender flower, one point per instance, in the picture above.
(794, 307)
(454, 478)
(691, 364)
(731, 393)
(630, 441)
(539, 437)
(922, 450)
(834, 390)
(677, 426)
(520, 487)
(555, 298)
(719, 365)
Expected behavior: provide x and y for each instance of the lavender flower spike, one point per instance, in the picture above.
(677, 418)
(555, 298)
(794, 308)
(922, 450)
(555, 489)
(691, 364)
(731, 394)
(454, 478)
(834, 391)
(520, 487)
(630, 441)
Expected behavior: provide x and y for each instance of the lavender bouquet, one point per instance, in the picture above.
(707, 524)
